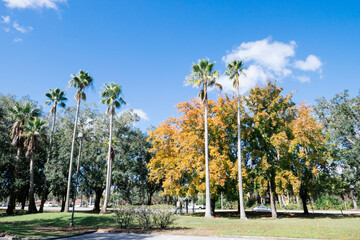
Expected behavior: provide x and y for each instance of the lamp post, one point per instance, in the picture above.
(81, 136)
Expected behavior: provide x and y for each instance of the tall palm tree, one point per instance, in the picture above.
(33, 129)
(55, 97)
(234, 70)
(111, 97)
(80, 81)
(203, 76)
(20, 112)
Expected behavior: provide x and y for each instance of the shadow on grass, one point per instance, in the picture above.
(57, 224)
(259, 215)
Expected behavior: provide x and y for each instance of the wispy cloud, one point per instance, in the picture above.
(21, 28)
(141, 114)
(303, 79)
(18, 40)
(33, 3)
(5, 19)
(267, 59)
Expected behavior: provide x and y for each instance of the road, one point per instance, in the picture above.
(132, 236)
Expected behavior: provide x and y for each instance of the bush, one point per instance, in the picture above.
(160, 216)
(328, 202)
(124, 215)
(144, 216)
(163, 216)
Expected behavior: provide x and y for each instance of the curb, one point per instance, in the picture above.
(58, 237)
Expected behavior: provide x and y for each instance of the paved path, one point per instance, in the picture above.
(132, 236)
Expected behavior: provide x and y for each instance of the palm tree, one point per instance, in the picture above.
(80, 82)
(56, 97)
(234, 70)
(20, 112)
(204, 76)
(33, 129)
(111, 97)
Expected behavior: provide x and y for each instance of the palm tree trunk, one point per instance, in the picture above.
(272, 201)
(208, 212)
(12, 197)
(45, 191)
(109, 168)
(241, 194)
(32, 206)
(71, 158)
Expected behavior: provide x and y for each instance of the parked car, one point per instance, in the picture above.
(261, 209)
(190, 206)
(49, 204)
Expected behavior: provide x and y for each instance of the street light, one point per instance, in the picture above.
(81, 136)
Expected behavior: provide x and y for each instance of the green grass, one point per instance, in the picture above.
(291, 226)
(288, 225)
(52, 224)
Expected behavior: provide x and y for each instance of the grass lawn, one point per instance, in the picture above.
(288, 225)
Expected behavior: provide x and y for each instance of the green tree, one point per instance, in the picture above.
(55, 97)
(33, 129)
(20, 112)
(341, 118)
(204, 76)
(81, 81)
(235, 69)
(270, 117)
(111, 97)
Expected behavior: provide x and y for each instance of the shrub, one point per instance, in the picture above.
(124, 215)
(163, 216)
(144, 217)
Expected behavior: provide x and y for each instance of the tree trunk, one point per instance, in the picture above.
(272, 202)
(45, 191)
(23, 202)
(62, 203)
(150, 194)
(12, 198)
(109, 168)
(354, 199)
(304, 197)
(98, 195)
(11, 204)
(208, 212)
(241, 194)
(32, 205)
(44, 195)
(71, 158)
(213, 201)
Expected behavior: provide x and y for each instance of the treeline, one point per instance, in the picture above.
(287, 150)
(35, 149)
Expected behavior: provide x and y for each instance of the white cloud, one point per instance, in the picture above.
(303, 79)
(6, 19)
(312, 63)
(6, 29)
(33, 3)
(21, 28)
(254, 75)
(268, 59)
(18, 40)
(141, 114)
(273, 56)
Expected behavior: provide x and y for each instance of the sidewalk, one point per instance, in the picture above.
(132, 236)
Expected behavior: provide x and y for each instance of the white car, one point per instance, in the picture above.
(190, 206)
(261, 209)
(49, 204)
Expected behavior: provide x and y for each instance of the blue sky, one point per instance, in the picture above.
(149, 46)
